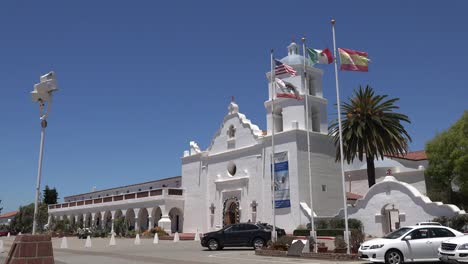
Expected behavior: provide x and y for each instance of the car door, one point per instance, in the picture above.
(419, 245)
(438, 235)
(231, 235)
(249, 231)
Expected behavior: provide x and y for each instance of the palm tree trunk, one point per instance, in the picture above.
(370, 171)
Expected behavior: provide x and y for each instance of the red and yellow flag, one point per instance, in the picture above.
(352, 60)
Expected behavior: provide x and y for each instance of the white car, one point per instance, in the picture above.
(429, 223)
(454, 250)
(407, 244)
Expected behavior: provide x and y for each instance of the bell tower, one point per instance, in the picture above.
(289, 113)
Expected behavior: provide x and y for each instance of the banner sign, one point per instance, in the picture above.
(282, 197)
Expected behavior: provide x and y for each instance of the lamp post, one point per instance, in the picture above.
(42, 94)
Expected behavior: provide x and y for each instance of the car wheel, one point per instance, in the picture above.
(393, 257)
(258, 243)
(213, 244)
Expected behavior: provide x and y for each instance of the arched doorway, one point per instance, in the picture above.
(177, 220)
(143, 219)
(231, 213)
(390, 218)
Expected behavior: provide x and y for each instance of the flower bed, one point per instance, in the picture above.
(327, 256)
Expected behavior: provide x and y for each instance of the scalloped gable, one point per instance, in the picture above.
(413, 206)
(390, 183)
(246, 133)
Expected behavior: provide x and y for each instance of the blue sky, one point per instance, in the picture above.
(140, 79)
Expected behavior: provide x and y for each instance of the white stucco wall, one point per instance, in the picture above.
(413, 207)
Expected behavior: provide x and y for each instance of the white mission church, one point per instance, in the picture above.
(230, 181)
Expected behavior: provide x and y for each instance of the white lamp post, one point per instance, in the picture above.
(42, 94)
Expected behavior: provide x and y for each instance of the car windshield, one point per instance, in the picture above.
(397, 233)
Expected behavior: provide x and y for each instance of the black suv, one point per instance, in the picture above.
(238, 235)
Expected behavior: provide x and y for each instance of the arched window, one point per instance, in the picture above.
(231, 131)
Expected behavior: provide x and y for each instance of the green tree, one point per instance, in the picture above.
(447, 154)
(371, 128)
(24, 219)
(50, 195)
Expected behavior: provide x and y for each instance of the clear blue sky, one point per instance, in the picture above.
(140, 79)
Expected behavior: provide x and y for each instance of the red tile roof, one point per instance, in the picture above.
(353, 196)
(9, 214)
(414, 155)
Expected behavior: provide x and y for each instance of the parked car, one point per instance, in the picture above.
(408, 244)
(5, 233)
(238, 235)
(429, 223)
(279, 231)
(454, 250)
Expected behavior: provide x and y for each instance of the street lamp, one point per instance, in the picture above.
(42, 94)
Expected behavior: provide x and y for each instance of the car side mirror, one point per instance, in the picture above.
(408, 237)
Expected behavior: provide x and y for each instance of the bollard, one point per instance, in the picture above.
(156, 238)
(1, 247)
(8, 234)
(88, 243)
(64, 243)
(137, 240)
(176, 237)
(197, 236)
(112, 240)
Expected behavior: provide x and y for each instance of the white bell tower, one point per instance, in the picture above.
(289, 113)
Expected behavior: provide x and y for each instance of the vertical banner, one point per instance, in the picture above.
(282, 197)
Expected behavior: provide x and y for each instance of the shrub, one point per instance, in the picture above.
(335, 223)
(160, 231)
(321, 224)
(301, 227)
(356, 239)
(456, 222)
(130, 234)
(283, 243)
(340, 242)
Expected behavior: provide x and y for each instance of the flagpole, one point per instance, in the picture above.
(272, 81)
(306, 98)
(345, 205)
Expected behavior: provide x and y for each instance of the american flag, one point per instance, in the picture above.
(282, 68)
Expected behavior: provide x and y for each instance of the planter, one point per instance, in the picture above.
(322, 249)
(340, 250)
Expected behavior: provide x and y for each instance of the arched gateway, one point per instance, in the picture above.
(231, 213)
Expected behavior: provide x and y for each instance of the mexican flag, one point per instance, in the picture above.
(352, 60)
(320, 56)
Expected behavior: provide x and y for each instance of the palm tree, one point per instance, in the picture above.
(370, 128)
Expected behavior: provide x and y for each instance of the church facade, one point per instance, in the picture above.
(231, 180)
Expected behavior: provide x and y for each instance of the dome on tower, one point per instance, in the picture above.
(294, 58)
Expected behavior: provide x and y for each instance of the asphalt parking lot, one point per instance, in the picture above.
(166, 252)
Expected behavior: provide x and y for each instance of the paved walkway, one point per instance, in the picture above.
(166, 252)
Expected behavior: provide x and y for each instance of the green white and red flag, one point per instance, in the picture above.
(320, 56)
(352, 60)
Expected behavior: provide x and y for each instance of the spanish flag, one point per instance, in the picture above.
(352, 60)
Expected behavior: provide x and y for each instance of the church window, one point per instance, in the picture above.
(278, 116)
(324, 188)
(151, 187)
(212, 209)
(139, 190)
(231, 131)
(231, 168)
